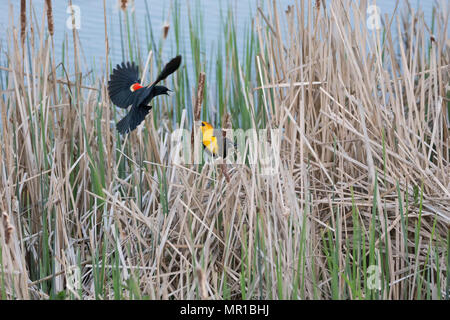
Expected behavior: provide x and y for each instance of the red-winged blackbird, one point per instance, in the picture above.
(125, 89)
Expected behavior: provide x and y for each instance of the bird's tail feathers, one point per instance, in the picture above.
(169, 68)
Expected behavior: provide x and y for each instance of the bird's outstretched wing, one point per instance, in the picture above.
(138, 111)
(119, 85)
(134, 118)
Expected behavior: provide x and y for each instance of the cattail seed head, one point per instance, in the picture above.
(166, 28)
(123, 4)
(23, 20)
(7, 227)
(50, 23)
(318, 4)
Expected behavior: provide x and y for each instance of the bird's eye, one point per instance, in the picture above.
(203, 124)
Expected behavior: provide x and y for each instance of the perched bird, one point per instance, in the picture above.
(214, 142)
(125, 89)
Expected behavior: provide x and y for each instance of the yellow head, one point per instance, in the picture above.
(206, 127)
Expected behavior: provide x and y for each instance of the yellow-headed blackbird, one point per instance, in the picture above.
(213, 141)
(125, 89)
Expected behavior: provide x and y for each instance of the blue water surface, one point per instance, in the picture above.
(213, 13)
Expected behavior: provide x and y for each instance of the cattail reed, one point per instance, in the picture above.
(166, 28)
(30, 9)
(7, 226)
(50, 23)
(123, 4)
(318, 4)
(23, 20)
(199, 101)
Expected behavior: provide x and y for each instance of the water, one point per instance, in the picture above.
(92, 34)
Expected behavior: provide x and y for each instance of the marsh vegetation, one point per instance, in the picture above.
(359, 207)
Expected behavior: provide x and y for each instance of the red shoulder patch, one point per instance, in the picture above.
(135, 86)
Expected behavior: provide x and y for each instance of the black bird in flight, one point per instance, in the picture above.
(125, 89)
